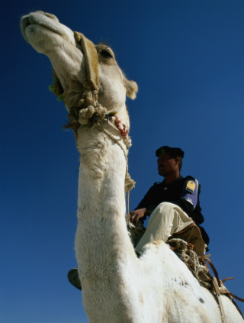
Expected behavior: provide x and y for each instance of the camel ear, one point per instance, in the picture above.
(131, 88)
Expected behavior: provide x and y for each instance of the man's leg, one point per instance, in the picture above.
(166, 219)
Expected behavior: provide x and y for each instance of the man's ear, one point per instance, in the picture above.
(131, 88)
(177, 159)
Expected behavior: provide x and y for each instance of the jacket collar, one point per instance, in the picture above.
(173, 184)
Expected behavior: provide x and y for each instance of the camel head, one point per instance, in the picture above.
(48, 36)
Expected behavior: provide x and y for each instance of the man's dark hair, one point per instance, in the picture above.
(172, 152)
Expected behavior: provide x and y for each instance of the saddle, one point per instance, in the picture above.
(193, 236)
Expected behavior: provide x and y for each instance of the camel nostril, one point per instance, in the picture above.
(49, 15)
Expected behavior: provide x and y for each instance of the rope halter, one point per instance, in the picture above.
(89, 111)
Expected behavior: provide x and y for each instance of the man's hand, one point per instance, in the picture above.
(137, 214)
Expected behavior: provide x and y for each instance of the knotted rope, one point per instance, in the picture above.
(90, 112)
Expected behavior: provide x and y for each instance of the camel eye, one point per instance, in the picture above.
(106, 54)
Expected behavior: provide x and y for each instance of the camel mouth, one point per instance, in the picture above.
(39, 20)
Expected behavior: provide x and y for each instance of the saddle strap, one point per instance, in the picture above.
(221, 307)
(218, 280)
(224, 280)
(233, 296)
(227, 292)
(214, 270)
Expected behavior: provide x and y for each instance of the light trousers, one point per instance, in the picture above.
(165, 220)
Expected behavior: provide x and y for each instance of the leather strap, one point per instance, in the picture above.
(184, 230)
(224, 280)
(227, 292)
(214, 270)
(90, 54)
(221, 307)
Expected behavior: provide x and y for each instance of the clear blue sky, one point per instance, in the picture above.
(188, 60)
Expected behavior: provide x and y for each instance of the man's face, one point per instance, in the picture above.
(167, 164)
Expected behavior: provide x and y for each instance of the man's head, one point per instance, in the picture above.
(169, 160)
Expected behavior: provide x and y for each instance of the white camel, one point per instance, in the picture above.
(117, 286)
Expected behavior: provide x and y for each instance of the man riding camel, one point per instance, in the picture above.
(173, 206)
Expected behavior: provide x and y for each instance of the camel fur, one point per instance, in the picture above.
(117, 286)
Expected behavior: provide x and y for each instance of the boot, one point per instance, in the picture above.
(74, 279)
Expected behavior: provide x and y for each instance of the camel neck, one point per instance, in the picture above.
(101, 204)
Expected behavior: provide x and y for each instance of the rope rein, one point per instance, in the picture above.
(129, 183)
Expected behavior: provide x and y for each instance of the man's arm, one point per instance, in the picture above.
(138, 214)
(189, 200)
(146, 206)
